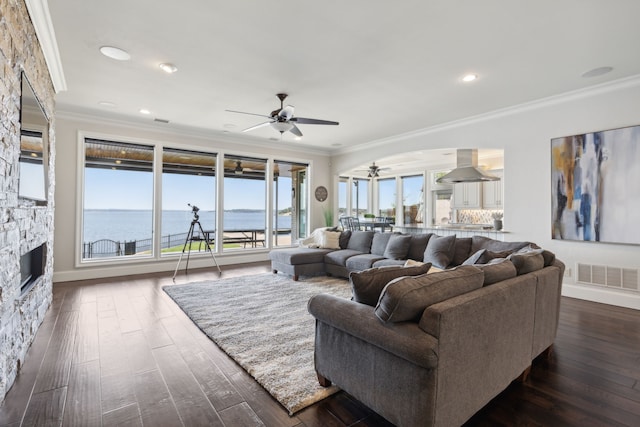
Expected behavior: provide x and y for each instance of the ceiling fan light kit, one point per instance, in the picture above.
(283, 119)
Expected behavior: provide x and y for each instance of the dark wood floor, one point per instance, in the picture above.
(120, 352)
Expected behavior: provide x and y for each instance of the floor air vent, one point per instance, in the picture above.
(613, 277)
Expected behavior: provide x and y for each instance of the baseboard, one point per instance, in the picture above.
(602, 295)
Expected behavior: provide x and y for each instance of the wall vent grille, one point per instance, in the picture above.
(612, 277)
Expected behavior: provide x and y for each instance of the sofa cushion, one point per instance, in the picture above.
(481, 242)
(398, 246)
(297, 256)
(440, 250)
(367, 285)
(462, 250)
(418, 245)
(379, 243)
(360, 241)
(405, 298)
(362, 261)
(527, 262)
(497, 270)
(340, 257)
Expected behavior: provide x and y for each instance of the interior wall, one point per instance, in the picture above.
(524, 133)
(24, 225)
(68, 127)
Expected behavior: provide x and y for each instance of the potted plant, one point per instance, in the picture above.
(497, 220)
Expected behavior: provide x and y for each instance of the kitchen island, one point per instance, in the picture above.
(460, 230)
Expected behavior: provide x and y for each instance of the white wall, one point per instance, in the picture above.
(525, 132)
(67, 127)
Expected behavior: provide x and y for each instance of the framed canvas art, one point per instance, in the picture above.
(595, 186)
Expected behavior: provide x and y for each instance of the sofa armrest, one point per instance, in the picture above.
(403, 339)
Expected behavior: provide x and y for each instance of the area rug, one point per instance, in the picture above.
(262, 322)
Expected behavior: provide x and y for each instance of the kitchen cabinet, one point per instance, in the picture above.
(492, 192)
(467, 195)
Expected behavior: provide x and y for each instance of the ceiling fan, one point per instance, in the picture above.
(373, 171)
(283, 119)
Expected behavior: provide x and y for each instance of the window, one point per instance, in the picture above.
(188, 181)
(290, 210)
(118, 199)
(343, 189)
(412, 199)
(387, 197)
(245, 201)
(359, 197)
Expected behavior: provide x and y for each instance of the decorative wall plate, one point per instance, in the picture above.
(321, 193)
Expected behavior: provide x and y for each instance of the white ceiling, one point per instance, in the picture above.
(379, 68)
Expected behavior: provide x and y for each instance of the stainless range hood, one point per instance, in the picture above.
(466, 169)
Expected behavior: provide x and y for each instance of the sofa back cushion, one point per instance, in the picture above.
(405, 298)
(440, 250)
(367, 285)
(397, 246)
(360, 241)
(379, 243)
(418, 245)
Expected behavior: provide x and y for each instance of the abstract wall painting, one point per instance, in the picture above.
(595, 186)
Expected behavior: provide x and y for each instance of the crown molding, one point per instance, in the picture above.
(619, 84)
(41, 19)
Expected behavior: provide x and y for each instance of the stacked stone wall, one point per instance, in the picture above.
(24, 224)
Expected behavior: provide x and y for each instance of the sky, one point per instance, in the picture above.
(118, 189)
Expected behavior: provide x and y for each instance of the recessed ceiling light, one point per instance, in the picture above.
(597, 72)
(115, 53)
(297, 138)
(469, 78)
(144, 111)
(107, 104)
(168, 68)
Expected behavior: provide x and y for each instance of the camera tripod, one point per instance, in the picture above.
(191, 239)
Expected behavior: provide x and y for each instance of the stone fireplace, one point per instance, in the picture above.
(26, 225)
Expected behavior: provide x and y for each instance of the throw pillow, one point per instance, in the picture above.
(481, 242)
(497, 270)
(367, 285)
(405, 298)
(379, 243)
(330, 239)
(398, 246)
(344, 239)
(412, 262)
(418, 245)
(483, 256)
(527, 262)
(462, 250)
(549, 257)
(440, 250)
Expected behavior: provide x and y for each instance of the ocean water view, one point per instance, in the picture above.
(127, 225)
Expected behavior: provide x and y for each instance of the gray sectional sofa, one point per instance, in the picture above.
(433, 349)
(426, 348)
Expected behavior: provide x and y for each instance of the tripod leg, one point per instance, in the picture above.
(187, 240)
(208, 248)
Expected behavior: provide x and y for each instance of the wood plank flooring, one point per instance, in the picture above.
(119, 352)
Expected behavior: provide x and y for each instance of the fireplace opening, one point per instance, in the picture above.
(32, 267)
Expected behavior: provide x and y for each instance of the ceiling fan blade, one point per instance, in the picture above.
(286, 112)
(306, 121)
(258, 126)
(295, 130)
(251, 114)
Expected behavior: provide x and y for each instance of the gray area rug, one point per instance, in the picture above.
(262, 322)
